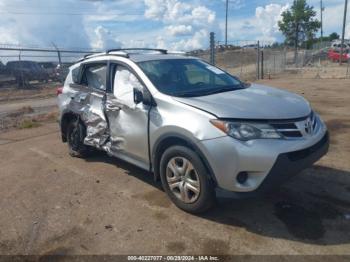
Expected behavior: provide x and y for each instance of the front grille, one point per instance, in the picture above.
(297, 128)
(288, 130)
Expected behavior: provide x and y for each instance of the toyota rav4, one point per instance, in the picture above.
(201, 131)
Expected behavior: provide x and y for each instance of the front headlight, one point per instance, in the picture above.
(246, 131)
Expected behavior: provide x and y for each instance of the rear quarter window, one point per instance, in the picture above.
(75, 75)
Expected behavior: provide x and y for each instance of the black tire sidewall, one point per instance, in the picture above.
(206, 197)
(81, 150)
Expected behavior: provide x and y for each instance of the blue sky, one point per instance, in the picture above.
(172, 24)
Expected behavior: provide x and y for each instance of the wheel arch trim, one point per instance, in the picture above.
(163, 140)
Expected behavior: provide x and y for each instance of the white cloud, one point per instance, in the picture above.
(175, 11)
(179, 30)
(202, 14)
(197, 41)
(181, 19)
(104, 40)
(165, 9)
(267, 19)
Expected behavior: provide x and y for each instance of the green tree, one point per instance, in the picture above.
(333, 36)
(298, 24)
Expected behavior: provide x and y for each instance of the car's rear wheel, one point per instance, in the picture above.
(185, 179)
(75, 137)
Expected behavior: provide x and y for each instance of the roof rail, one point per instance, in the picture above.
(162, 51)
(121, 52)
(93, 55)
(177, 53)
(101, 54)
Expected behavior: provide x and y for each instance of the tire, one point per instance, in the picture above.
(191, 189)
(76, 133)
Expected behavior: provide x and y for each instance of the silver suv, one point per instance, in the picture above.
(201, 131)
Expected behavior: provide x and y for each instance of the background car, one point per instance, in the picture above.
(50, 68)
(334, 55)
(25, 71)
(2, 68)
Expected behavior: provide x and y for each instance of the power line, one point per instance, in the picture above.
(46, 50)
(64, 14)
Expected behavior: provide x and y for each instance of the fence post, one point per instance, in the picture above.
(262, 64)
(258, 61)
(212, 48)
(58, 53)
(59, 57)
(20, 81)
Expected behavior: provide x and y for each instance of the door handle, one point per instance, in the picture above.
(112, 107)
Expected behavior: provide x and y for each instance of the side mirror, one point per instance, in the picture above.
(138, 96)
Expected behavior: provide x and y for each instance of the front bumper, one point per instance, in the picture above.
(268, 163)
(290, 164)
(286, 166)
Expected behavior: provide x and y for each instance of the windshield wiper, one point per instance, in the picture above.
(207, 92)
(184, 94)
(222, 90)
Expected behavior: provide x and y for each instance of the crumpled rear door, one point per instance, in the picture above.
(95, 120)
(88, 101)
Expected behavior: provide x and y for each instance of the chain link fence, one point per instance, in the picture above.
(30, 67)
(252, 60)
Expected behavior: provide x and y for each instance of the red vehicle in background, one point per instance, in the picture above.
(334, 55)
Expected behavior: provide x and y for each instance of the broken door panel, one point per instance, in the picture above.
(89, 105)
(95, 121)
(92, 106)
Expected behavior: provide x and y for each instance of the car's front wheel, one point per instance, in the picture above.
(185, 179)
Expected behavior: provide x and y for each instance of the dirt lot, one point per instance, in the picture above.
(53, 204)
(22, 107)
(10, 92)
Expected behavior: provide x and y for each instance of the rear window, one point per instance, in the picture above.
(95, 76)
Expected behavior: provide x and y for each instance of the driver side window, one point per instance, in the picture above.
(124, 83)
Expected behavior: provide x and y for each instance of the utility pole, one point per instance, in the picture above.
(343, 35)
(322, 9)
(226, 23)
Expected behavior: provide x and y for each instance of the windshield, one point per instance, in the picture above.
(188, 77)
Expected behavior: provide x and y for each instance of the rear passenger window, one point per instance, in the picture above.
(75, 75)
(95, 76)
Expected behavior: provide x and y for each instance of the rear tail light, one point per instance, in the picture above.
(59, 91)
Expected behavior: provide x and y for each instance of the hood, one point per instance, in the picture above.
(254, 102)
